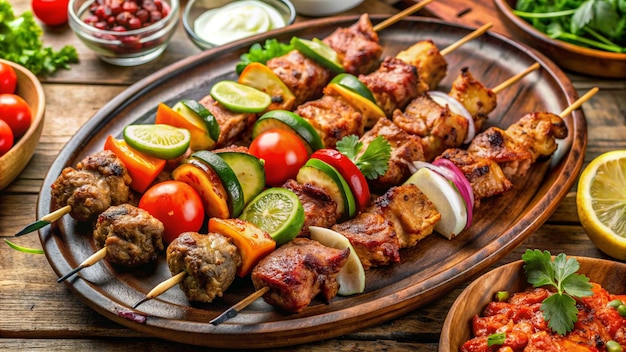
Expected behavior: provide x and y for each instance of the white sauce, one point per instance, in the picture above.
(237, 20)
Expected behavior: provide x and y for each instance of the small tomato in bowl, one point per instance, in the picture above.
(16, 113)
(8, 78)
(51, 12)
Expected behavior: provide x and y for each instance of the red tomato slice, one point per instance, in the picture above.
(6, 138)
(349, 171)
(15, 111)
(8, 78)
(50, 12)
(283, 152)
(177, 205)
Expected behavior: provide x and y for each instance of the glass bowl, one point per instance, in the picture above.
(119, 46)
(195, 10)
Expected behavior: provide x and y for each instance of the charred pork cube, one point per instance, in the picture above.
(319, 208)
(431, 65)
(477, 99)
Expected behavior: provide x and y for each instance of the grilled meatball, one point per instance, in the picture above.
(297, 272)
(210, 261)
(131, 235)
(319, 208)
(97, 182)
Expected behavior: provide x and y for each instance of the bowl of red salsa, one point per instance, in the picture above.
(480, 310)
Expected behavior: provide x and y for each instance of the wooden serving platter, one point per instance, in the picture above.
(431, 268)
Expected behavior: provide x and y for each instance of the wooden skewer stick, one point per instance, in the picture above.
(96, 257)
(400, 15)
(162, 287)
(239, 306)
(45, 220)
(476, 33)
(515, 78)
(579, 102)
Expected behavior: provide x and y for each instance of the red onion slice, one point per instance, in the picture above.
(457, 108)
(461, 183)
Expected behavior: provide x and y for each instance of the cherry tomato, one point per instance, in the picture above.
(283, 153)
(50, 12)
(349, 171)
(177, 205)
(8, 78)
(16, 112)
(6, 138)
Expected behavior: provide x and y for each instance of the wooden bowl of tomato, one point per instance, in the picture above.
(19, 132)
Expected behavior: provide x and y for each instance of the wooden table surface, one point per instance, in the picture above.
(39, 314)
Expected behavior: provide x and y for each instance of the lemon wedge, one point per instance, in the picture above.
(601, 202)
(448, 202)
(351, 278)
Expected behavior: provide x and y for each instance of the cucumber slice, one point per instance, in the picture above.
(320, 174)
(201, 119)
(319, 52)
(228, 178)
(290, 121)
(249, 171)
(352, 82)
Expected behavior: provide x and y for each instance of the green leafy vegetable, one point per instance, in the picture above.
(23, 249)
(20, 42)
(559, 310)
(599, 24)
(272, 48)
(374, 161)
(496, 339)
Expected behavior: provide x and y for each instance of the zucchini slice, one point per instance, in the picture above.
(249, 172)
(290, 121)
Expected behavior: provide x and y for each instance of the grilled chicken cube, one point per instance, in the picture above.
(476, 98)
(333, 117)
(485, 175)
(431, 65)
(304, 77)
(438, 127)
(404, 147)
(394, 84)
(496, 144)
(297, 272)
(373, 238)
(413, 215)
(232, 124)
(319, 208)
(357, 46)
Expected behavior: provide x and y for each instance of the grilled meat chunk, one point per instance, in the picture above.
(210, 261)
(373, 237)
(297, 272)
(496, 144)
(404, 147)
(232, 124)
(394, 84)
(438, 127)
(476, 98)
(413, 216)
(430, 64)
(357, 46)
(97, 182)
(131, 235)
(304, 77)
(319, 208)
(333, 118)
(485, 175)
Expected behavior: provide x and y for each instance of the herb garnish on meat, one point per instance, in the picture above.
(374, 161)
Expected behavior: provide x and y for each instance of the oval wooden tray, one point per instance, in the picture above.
(434, 266)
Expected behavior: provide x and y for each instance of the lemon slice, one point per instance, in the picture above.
(448, 202)
(351, 277)
(160, 141)
(239, 98)
(601, 202)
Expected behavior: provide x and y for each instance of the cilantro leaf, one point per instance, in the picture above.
(496, 339)
(257, 53)
(20, 42)
(559, 309)
(374, 161)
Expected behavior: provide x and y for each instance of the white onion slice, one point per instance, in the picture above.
(457, 108)
(461, 183)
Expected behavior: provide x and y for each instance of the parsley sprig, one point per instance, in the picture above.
(559, 309)
(374, 161)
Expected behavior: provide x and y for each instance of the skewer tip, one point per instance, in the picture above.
(66, 276)
(140, 302)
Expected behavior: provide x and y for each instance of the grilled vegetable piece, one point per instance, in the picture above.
(259, 76)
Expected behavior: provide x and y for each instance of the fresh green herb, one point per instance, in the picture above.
(599, 24)
(613, 346)
(496, 339)
(502, 296)
(23, 249)
(374, 161)
(272, 48)
(20, 42)
(559, 310)
(614, 303)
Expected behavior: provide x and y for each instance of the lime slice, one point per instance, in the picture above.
(319, 52)
(239, 98)
(351, 277)
(277, 211)
(161, 141)
(352, 82)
